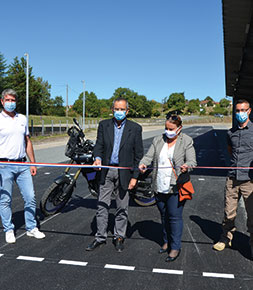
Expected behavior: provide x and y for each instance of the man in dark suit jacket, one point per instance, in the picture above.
(119, 144)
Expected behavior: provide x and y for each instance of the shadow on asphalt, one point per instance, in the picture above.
(213, 230)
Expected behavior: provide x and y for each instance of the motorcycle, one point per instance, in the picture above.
(80, 151)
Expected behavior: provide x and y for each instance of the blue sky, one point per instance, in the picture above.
(154, 47)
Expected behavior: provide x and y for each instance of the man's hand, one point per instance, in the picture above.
(184, 168)
(142, 168)
(97, 162)
(33, 170)
(132, 183)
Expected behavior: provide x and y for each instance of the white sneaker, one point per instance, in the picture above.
(35, 233)
(10, 237)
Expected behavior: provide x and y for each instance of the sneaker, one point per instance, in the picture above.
(222, 244)
(10, 237)
(35, 233)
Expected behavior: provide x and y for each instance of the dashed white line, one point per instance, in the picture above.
(167, 271)
(47, 173)
(201, 179)
(28, 258)
(218, 275)
(75, 263)
(1, 255)
(119, 267)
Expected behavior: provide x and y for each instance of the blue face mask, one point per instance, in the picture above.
(119, 115)
(241, 117)
(10, 106)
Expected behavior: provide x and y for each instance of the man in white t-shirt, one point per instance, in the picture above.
(15, 144)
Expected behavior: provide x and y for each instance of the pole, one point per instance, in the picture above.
(27, 88)
(83, 105)
(67, 101)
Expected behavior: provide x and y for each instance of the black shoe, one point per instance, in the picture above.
(172, 259)
(95, 244)
(162, 250)
(118, 243)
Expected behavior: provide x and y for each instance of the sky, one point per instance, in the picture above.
(154, 47)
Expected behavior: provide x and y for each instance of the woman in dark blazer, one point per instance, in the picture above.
(176, 148)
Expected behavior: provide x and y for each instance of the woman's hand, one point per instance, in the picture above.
(184, 168)
(142, 168)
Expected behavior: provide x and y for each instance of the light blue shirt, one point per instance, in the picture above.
(118, 131)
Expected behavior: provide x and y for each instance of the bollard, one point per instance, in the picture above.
(42, 128)
(60, 126)
(32, 127)
(52, 129)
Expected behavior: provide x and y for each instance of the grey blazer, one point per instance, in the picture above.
(184, 153)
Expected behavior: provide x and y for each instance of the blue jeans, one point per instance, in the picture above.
(171, 211)
(22, 176)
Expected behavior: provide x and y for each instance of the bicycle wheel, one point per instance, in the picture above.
(55, 198)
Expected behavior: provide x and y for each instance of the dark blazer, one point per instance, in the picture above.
(130, 152)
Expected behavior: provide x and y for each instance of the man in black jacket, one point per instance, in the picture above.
(119, 144)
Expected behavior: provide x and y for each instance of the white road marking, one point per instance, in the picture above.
(119, 267)
(47, 173)
(28, 258)
(166, 271)
(201, 179)
(75, 263)
(1, 255)
(218, 275)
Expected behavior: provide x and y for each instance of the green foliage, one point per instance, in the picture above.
(193, 106)
(92, 106)
(224, 103)
(176, 101)
(139, 106)
(219, 110)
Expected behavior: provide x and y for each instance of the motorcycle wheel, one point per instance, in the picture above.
(50, 203)
(145, 201)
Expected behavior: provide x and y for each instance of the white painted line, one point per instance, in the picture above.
(1, 255)
(75, 263)
(201, 179)
(218, 275)
(119, 267)
(27, 258)
(47, 173)
(166, 271)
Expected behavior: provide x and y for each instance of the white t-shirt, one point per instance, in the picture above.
(12, 136)
(164, 174)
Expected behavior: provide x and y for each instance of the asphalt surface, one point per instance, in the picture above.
(61, 262)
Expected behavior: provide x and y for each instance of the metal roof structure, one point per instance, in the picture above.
(238, 47)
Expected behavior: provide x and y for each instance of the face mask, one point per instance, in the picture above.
(119, 115)
(10, 106)
(241, 117)
(170, 134)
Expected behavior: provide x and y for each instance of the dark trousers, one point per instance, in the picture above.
(171, 211)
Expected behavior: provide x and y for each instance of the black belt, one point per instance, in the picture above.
(13, 160)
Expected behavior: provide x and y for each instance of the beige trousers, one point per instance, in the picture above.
(234, 189)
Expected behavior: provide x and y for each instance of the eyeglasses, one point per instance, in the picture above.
(173, 117)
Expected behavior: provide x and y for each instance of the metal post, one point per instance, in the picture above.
(43, 128)
(27, 88)
(83, 105)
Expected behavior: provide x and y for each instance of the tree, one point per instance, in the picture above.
(92, 106)
(57, 108)
(3, 67)
(210, 101)
(224, 103)
(139, 106)
(176, 101)
(38, 89)
(193, 106)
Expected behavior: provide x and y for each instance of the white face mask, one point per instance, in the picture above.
(171, 134)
